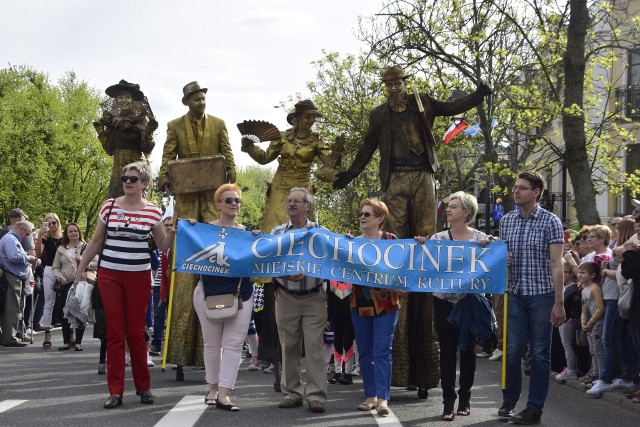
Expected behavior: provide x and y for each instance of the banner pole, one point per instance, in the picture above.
(504, 334)
(170, 303)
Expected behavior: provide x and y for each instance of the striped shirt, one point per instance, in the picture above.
(127, 243)
(529, 240)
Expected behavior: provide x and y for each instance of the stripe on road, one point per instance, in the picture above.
(5, 405)
(389, 421)
(185, 413)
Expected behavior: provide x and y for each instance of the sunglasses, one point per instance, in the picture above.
(131, 179)
(229, 200)
(52, 223)
(366, 214)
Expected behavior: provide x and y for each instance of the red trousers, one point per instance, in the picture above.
(125, 297)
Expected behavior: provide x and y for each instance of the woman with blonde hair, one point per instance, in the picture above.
(47, 242)
(223, 340)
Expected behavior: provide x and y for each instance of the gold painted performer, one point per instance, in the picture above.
(125, 130)
(296, 151)
(193, 135)
(401, 130)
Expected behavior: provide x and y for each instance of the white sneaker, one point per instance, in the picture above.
(483, 355)
(619, 383)
(598, 388)
(567, 374)
(150, 363)
(497, 355)
(254, 364)
(127, 359)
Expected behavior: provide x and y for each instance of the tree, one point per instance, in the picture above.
(530, 53)
(52, 160)
(253, 182)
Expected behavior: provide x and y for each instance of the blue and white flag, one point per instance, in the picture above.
(436, 266)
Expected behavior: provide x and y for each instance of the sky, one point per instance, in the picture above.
(251, 54)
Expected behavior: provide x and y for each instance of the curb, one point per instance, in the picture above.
(615, 397)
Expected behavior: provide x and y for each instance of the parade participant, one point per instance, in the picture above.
(301, 316)
(125, 129)
(223, 339)
(403, 134)
(536, 294)
(49, 238)
(196, 134)
(124, 277)
(296, 151)
(461, 210)
(374, 313)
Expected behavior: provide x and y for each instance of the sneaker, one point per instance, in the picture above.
(619, 383)
(598, 388)
(585, 377)
(154, 350)
(270, 370)
(356, 370)
(28, 331)
(483, 355)
(497, 355)
(567, 374)
(330, 368)
(334, 379)
(127, 359)
(150, 363)
(346, 379)
(254, 364)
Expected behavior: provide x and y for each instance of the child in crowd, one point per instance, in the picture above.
(592, 317)
(570, 329)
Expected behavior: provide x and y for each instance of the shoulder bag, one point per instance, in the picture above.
(220, 308)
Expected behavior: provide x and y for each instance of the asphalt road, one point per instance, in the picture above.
(40, 387)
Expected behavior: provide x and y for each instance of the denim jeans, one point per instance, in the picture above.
(616, 344)
(374, 337)
(529, 322)
(159, 316)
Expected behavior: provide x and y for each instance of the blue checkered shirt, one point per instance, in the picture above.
(529, 241)
(307, 282)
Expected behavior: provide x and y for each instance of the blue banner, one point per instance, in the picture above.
(436, 266)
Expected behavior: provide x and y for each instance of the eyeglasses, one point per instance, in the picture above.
(132, 179)
(294, 201)
(453, 207)
(367, 214)
(520, 188)
(229, 200)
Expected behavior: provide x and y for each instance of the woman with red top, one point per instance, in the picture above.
(124, 278)
(374, 313)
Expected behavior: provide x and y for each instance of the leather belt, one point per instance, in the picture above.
(301, 293)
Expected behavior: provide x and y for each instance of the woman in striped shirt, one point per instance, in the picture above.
(124, 277)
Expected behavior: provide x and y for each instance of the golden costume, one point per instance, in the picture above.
(186, 138)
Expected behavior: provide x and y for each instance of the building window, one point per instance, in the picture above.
(629, 96)
(632, 164)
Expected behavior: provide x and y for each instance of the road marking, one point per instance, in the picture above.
(389, 421)
(185, 413)
(5, 405)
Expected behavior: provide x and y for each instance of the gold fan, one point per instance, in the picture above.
(263, 131)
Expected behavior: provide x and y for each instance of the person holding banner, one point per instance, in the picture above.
(223, 339)
(461, 210)
(374, 313)
(124, 277)
(301, 312)
(536, 292)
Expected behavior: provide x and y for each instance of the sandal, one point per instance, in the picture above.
(78, 347)
(635, 400)
(464, 409)
(64, 347)
(448, 416)
(47, 340)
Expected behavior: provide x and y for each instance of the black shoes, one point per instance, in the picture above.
(145, 397)
(346, 379)
(423, 393)
(179, 373)
(230, 407)
(527, 417)
(334, 379)
(507, 409)
(113, 401)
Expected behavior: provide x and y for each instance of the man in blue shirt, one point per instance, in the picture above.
(15, 263)
(535, 238)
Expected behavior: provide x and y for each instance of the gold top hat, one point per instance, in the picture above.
(124, 86)
(191, 88)
(302, 107)
(393, 73)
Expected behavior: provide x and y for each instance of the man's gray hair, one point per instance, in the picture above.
(308, 197)
(143, 170)
(25, 225)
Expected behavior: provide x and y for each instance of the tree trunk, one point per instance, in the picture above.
(573, 120)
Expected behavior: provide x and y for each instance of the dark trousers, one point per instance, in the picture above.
(448, 336)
